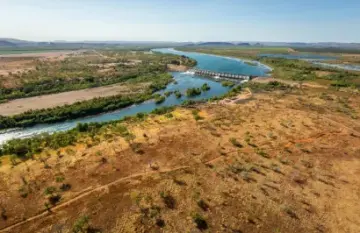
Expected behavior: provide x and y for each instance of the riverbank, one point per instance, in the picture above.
(18, 106)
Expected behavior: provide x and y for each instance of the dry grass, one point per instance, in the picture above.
(307, 182)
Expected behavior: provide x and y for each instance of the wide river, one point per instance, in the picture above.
(184, 81)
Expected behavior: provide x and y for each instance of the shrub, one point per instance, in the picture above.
(168, 200)
(200, 222)
(203, 205)
(160, 223)
(193, 92)
(168, 93)
(159, 99)
(162, 110)
(205, 87)
(196, 115)
(50, 190)
(81, 225)
(235, 142)
(178, 94)
(65, 187)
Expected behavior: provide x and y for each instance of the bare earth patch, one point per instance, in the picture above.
(287, 82)
(18, 106)
(178, 68)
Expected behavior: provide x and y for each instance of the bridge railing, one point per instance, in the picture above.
(221, 75)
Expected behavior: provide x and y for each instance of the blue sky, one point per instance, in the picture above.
(182, 20)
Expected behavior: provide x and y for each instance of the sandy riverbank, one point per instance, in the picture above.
(18, 106)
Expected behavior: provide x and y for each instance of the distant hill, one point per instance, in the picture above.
(243, 44)
(215, 44)
(4, 43)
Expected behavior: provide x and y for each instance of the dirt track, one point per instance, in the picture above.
(18, 106)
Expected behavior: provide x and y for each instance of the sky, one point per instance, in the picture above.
(181, 20)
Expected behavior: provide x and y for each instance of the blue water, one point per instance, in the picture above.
(222, 64)
(184, 81)
(301, 56)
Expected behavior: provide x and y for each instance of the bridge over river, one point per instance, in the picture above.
(238, 77)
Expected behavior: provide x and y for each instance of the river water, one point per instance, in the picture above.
(184, 81)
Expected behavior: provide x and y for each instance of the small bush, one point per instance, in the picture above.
(193, 91)
(53, 199)
(200, 222)
(205, 87)
(168, 200)
(235, 142)
(168, 93)
(81, 225)
(3, 214)
(160, 99)
(196, 115)
(160, 223)
(203, 205)
(262, 153)
(65, 187)
(60, 179)
(178, 94)
(50, 190)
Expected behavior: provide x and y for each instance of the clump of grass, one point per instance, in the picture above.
(59, 179)
(203, 205)
(53, 198)
(81, 225)
(65, 187)
(23, 191)
(196, 115)
(160, 223)
(262, 153)
(235, 142)
(248, 138)
(291, 213)
(140, 115)
(50, 190)
(3, 214)
(284, 161)
(168, 200)
(200, 222)
(169, 115)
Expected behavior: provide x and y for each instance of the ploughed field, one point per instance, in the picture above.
(285, 160)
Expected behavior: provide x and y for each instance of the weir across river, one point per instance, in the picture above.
(220, 74)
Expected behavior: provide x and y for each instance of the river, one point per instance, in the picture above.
(184, 81)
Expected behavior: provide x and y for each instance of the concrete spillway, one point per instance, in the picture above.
(220, 75)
